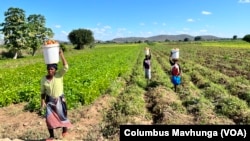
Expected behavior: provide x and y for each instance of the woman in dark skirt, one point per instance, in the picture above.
(147, 67)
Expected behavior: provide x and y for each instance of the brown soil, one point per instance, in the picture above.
(17, 124)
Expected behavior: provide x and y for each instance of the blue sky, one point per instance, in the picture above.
(109, 19)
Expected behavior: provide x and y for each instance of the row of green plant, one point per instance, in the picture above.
(207, 81)
(228, 44)
(191, 102)
(129, 104)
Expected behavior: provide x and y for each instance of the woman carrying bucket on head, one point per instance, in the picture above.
(147, 64)
(52, 94)
(175, 68)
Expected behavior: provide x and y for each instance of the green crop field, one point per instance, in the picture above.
(215, 85)
(91, 73)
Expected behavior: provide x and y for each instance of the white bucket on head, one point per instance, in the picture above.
(175, 53)
(51, 53)
(147, 51)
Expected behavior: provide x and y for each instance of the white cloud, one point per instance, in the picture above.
(181, 32)
(190, 20)
(57, 26)
(244, 1)
(144, 34)
(107, 27)
(121, 32)
(102, 32)
(206, 13)
(62, 35)
(64, 32)
(99, 30)
(203, 30)
(142, 24)
(162, 32)
(121, 29)
(130, 32)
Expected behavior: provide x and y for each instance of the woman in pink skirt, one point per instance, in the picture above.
(52, 98)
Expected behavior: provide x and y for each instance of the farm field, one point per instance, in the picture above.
(105, 87)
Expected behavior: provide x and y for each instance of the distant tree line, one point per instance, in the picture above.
(21, 32)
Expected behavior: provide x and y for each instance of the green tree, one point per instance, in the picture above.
(186, 39)
(14, 29)
(81, 37)
(197, 38)
(246, 38)
(167, 40)
(37, 32)
(234, 37)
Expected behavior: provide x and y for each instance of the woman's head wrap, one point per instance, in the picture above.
(52, 66)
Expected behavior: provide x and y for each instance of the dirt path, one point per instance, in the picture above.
(17, 124)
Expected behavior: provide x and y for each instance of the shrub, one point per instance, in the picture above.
(246, 38)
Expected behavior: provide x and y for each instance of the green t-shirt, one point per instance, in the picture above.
(54, 87)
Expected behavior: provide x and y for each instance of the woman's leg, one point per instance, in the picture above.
(51, 133)
(64, 130)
